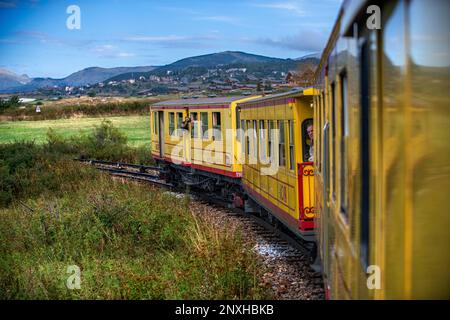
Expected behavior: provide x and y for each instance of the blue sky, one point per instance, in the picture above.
(34, 38)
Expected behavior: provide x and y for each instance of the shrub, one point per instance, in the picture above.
(106, 143)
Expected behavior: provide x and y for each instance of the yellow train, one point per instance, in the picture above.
(254, 151)
(278, 176)
(382, 156)
(375, 124)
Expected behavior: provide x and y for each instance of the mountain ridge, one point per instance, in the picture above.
(257, 64)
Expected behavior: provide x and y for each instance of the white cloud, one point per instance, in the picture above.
(304, 41)
(110, 51)
(292, 7)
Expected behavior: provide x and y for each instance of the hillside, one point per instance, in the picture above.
(9, 79)
(256, 65)
(219, 68)
(13, 83)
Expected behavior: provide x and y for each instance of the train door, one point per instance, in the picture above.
(161, 133)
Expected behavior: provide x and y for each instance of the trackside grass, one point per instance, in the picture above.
(130, 241)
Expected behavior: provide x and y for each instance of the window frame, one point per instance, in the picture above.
(344, 133)
(215, 127)
(270, 140)
(281, 143)
(203, 125)
(194, 128)
(179, 116)
(262, 140)
(171, 123)
(291, 145)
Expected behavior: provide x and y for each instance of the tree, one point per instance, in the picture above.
(305, 75)
(14, 101)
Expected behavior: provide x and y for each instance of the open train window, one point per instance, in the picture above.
(291, 146)
(217, 126)
(247, 138)
(255, 139)
(262, 140)
(364, 77)
(242, 133)
(343, 149)
(205, 124)
(333, 142)
(180, 123)
(307, 143)
(281, 144)
(270, 139)
(171, 123)
(194, 131)
(238, 123)
(155, 122)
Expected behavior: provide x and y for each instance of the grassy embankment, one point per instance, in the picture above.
(130, 241)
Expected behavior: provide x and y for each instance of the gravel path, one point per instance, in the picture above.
(288, 274)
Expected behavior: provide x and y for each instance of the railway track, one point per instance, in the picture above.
(278, 249)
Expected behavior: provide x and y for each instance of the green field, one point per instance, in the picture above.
(137, 128)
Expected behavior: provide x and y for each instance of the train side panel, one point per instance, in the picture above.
(382, 163)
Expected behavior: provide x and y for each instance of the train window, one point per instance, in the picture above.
(194, 131)
(247, 138)
(270, 147)
(322, 131)
(217, 126)
(291, 145)
(281, 145)
(171, 123)
(255, 138)
(344, 135)
(364, 149)
(307, 143)
(155, 122)
(204, 123)
(180, 123)
(238, 123)
(262, 140)
(242, 136)
(333, 138)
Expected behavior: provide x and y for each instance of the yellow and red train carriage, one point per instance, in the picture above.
(277, 172)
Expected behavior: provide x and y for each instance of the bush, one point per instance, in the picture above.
(28, 170)
(106, 143)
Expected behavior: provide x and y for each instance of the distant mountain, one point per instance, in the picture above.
(9, 79)
(96, 74)
(316, 55)
(256, 64)
(14, 83)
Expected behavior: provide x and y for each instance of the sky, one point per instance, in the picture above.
(35, 39)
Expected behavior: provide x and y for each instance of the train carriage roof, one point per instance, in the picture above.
(298, 92)
(200, 101)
